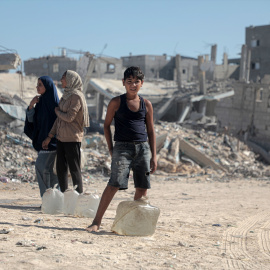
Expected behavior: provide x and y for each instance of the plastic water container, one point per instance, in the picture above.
(136, 218)
(70, 200)
(87, 205)
(52, 201)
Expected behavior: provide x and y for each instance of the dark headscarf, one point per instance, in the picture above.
(45, 115)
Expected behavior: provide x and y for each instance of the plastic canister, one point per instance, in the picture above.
(137, 218)
(70, 200)
(52, 201)
(87, 205)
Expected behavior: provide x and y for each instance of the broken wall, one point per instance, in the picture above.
(258, 41)
(108, 68)
(188, 66)
(53, 66)
(224, 72)
(248, 110)
(9, 61)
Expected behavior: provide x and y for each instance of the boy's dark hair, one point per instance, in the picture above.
(134, 72)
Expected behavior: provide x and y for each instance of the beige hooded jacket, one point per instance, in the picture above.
(73, 115)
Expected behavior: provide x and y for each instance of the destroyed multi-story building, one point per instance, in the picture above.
(246, 113)
(163, 66)
(258, 42)
(195, 92)
(255, 55)
(107, 68)
(53, 66)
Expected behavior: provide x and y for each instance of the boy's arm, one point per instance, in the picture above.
(151, 134)
(111, 109)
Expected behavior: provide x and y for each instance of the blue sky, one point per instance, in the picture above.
(36, 28)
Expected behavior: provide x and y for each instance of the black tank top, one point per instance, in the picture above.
(129, 125)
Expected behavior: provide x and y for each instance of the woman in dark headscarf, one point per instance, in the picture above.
(72, 117)
(40, 117)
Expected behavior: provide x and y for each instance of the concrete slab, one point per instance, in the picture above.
(9, 61)
(200, 158)
(11, 112)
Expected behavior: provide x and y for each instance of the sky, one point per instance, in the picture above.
(37, 28)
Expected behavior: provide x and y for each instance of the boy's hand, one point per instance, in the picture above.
(153, 165)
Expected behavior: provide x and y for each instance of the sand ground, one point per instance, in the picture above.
(203, 224)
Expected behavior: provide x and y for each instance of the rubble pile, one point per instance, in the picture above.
(234, 157)
(219, 86)
(224, 155)
(96, 155)
(17, 157)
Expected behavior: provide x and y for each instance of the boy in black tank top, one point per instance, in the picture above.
(134, 124)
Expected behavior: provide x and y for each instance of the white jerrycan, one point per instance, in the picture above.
(52, 201)
(70, 200)
(136, 218)
(87, 205)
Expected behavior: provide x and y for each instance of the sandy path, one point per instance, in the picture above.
(185, 237)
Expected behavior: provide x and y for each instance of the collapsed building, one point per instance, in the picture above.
(230, 99)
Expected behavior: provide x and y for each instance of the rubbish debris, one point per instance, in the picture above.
(181, 151)
(41, 248)
(4, 179)
(4, 231)
(26, 243)
(26, 218)
(39, 220)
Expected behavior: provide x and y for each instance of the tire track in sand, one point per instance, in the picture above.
(264, 239)
(235, 243)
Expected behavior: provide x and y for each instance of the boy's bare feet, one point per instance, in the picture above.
(93, 227)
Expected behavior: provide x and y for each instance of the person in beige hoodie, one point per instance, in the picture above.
(72, 117)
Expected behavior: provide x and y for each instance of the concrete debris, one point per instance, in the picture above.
(207, 149)
(181, 152)
(26, 243)
(9, 61)
(17, 157)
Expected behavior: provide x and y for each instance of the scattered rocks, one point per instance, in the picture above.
(17, 156)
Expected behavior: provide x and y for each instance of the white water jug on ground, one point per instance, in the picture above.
(136, 218)
(70, 200)
(52, 201)
(87, 205)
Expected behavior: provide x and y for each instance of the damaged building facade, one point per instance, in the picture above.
(258, 43)
(163, 66)
(53, 66)
(189, 92)
(194, 88)
(246, 113)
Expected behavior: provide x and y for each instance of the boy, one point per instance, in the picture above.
(133, 119)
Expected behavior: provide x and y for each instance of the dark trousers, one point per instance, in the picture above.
(69, 156)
